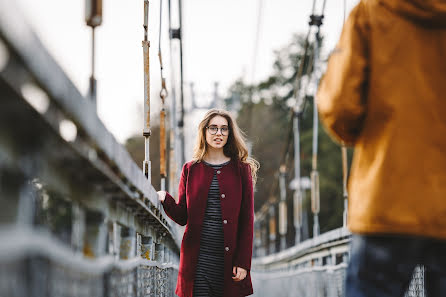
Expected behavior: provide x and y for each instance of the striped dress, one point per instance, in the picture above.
(209, 276)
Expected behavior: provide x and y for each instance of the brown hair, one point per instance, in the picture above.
(235, 148)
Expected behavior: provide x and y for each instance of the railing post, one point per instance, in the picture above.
(265, 236)
(297, 196)
(272, 229)
(78, 231)
(95, 235)
(283, 223)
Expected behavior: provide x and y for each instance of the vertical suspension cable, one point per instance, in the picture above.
(174, 135)
(257, 39)
(146, 132)
(163, 95)
(93, 18)
(181, 121)
(344, 161)
(344, 183)
(316, 20)
(297, 111)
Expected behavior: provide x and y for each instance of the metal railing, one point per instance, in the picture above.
(314, 268)
(77, 215)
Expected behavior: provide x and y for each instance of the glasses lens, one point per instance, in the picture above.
(213, 129)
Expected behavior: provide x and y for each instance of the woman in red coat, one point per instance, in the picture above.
(216, 204)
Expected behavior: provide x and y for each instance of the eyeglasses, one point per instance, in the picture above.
(214, 129)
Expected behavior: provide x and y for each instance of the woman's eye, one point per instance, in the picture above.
(224, 129)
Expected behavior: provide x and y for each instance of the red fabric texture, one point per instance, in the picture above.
(237, 209)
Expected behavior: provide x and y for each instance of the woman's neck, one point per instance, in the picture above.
(215, 156)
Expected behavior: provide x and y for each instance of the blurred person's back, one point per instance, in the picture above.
(384, 93)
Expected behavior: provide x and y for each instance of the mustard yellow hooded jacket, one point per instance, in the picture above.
(384, 92)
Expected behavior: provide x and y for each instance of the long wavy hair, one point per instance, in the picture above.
(235, 147)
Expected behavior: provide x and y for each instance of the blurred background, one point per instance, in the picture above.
(91, 127)
(239, 55)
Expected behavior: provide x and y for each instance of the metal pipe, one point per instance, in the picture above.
(272, 229)
(147, 131)
(344, 183)
(163, 95)
(297, 197)
(181, 121)
(93, 18)
(315, 198)
(174, 134)
(282, 209)
(163, 148)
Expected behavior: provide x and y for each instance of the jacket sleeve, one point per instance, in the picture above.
(341, 97)
(178, 211)
(243, 254)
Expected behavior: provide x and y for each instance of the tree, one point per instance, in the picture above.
(264, 114)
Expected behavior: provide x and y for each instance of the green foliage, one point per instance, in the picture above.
(265, 116)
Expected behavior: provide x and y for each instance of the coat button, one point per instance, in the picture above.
(226, 248)
(223, 195)
(225, 222)
(218, 171)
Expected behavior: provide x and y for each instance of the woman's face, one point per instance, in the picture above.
(217, 132)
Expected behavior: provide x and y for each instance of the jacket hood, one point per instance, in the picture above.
(427, 12)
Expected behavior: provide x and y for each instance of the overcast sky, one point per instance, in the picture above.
(218, 36)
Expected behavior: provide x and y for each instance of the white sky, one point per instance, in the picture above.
(218, 44)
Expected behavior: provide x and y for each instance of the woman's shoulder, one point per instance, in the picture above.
(191, 163)
(242, 164)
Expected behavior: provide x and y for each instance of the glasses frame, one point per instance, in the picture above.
(216, 132)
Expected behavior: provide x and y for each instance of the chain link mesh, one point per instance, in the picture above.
(39, 277)
(323, 282)
(416, 286)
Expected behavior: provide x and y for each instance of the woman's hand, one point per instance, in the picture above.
(161, 195)
(239, 273)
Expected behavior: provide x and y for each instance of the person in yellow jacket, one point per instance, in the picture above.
(384, 92)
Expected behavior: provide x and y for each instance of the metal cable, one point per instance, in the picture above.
(181, 122)
(163, 95)
(344, 161)
(297, 85)
(257, 38)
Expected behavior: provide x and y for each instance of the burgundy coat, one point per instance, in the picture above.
(237, 209)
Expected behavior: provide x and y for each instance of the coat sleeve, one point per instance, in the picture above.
(243, 254)
(178, 211)
(342, 94)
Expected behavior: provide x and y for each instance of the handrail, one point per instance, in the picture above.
(303, 248)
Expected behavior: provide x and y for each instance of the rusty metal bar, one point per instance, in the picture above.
(297, 196)
(315, 197)
(146, 132)
(163, 144)
(283, 218)
(163, 95)
(272, 229)
(93, 13)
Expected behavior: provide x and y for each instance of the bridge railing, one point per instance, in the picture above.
(313, 268)
(77, 216)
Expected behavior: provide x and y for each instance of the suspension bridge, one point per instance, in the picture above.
(80, 218)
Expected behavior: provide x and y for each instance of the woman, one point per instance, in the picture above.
(216, 204)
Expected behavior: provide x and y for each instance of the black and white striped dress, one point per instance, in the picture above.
(209, 276)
